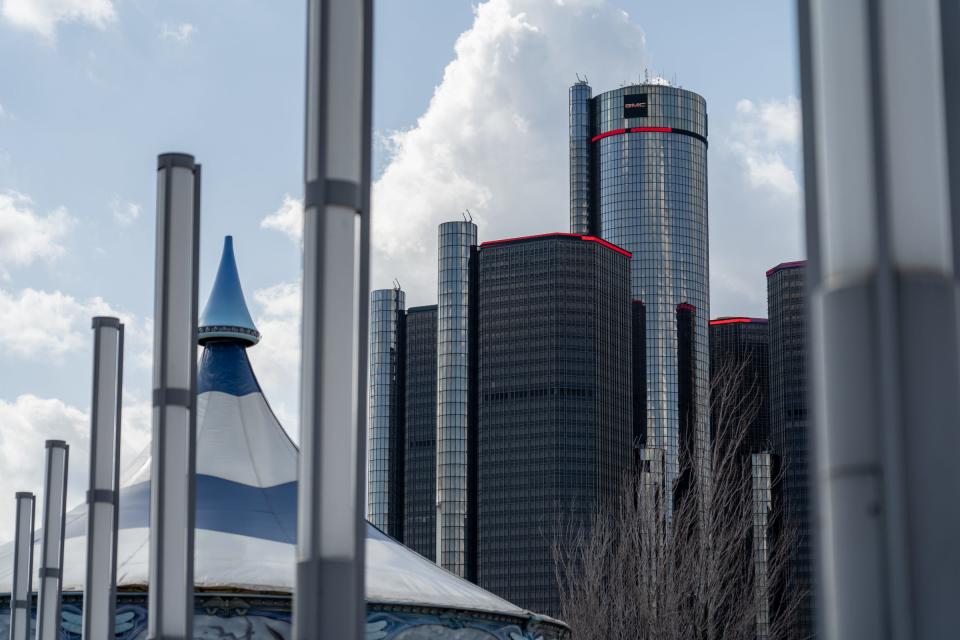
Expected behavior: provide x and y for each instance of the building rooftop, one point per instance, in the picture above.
(542, 236)
(786, 265)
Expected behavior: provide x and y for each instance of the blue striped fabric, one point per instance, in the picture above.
(268, 513)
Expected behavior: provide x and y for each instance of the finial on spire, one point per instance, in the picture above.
(226, 315)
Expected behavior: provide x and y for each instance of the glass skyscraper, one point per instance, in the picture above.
(739, 353)
(555, 424)
(789, 432)
(638, 179)
(420, 468)
(385, 455)
(456, 406)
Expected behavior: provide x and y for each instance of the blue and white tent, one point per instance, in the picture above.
(246, 523)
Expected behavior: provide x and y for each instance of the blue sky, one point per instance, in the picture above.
(470, 109)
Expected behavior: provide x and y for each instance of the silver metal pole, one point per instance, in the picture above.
(885, 352)
(20, 594)
(173, 463)
(329, 596)
(51, 547)
(100, 581)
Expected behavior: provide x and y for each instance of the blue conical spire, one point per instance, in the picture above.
(226, 315)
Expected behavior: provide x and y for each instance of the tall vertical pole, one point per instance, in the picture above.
(329, 597)
(20, 594)
(173, 464)
(100, 581)
(885, 351)
(51, 548)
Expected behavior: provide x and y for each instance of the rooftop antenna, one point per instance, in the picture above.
(646, 75)
(467, 216)
(396, 285)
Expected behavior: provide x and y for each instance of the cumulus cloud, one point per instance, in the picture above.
(494, 136)
(755, 203)
(124, 213)
(42, 16)
(30, 420)
(276, 359)
(764, 135)
(179, 32)
(288, 219)
(26, 235)
(54, 324)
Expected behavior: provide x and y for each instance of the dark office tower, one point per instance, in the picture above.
(786, 301)
(420, 485)
(644, 188)
(385, 435)
(456, 414)
(555, 405)
(739, 370)
(740, 408)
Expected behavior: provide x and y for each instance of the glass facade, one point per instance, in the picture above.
(455, 297)
(555, 426)
(761, 479)
(786, 301)
(420, 485)
(739, 350)
(580, 158)
(647, 193)
(385, 417)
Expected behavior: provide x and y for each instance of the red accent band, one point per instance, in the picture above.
(686, 306)
(737, 320)
(616, 132)
(558, 234)
(612, 132)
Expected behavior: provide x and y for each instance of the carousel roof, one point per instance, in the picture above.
(246, 497)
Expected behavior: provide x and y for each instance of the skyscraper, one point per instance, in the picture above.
(638, 179)
(740, 410)
(555, 404)
(420, 484)
(739, 363)
(456, 402)
(786, 301)
(385, 437)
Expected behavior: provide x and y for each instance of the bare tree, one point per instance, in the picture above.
(708, 564)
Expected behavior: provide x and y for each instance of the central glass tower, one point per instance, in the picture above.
(638, 179)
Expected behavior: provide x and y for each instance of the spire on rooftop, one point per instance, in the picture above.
(226, 315)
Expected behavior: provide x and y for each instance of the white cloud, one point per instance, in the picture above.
(42, 16)
(764, 136)
(29, 420)
(755, 203)
(124, 213)
(288, 219)
(276, 359)
(25, 235)
(180, 32)
(54, 324)
(494, 136)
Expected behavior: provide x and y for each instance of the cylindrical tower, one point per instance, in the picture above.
(648, 166)
(385, 424)
(580, 158)
(457, 245)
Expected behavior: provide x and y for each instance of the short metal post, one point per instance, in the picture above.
(51, 548)
(100, 581)
(329, 595)
(20, 594)
(173, 469)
